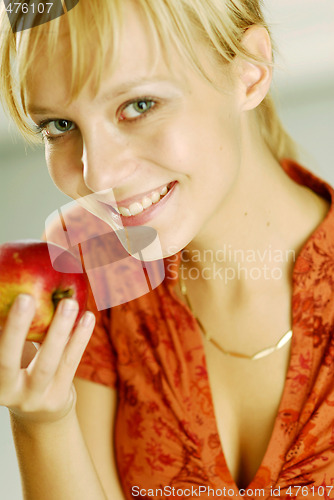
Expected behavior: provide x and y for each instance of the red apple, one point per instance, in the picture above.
(25, 267)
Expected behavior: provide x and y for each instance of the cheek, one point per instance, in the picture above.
(65, 168)
(203, 131)
(175, 145)
(200, 146)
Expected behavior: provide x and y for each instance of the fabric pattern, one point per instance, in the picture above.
(151, 350)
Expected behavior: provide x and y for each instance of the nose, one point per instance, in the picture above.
(107, 159)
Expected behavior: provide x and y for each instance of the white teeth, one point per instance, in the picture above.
(146, 202)
(136, 208)
(124, 211)
(155, 197)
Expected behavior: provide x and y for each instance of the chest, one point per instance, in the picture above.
(246, 396)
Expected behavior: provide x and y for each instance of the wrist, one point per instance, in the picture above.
(45, 418)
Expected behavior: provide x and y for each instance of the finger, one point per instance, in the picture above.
(75, 349)
(45, 364)
(14, 333)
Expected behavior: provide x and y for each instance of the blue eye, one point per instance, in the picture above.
(136, 109)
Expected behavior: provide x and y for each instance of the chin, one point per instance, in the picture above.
(172, 244)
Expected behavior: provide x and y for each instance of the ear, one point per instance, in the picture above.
(255, 78)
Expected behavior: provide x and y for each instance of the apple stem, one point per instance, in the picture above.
(59, 295)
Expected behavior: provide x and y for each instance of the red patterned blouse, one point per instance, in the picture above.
(166, 436)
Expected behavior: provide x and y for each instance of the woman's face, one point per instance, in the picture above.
(146, 129)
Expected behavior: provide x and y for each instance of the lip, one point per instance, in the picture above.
(148, 213)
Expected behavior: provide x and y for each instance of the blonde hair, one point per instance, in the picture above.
(221, 23)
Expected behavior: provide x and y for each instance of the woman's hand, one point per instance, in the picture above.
(37, 385)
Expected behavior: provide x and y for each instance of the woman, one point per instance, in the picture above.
(196, 385)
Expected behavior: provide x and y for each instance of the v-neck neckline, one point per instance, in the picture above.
(299, 343)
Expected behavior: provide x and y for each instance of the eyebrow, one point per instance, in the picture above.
(114, 93)
(123, 88)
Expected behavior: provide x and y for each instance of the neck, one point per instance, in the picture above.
(260, 227)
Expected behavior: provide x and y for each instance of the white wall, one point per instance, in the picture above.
(304, 31)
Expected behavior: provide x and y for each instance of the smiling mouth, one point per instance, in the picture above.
(137, 207)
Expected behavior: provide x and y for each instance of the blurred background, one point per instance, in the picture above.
(304, 91)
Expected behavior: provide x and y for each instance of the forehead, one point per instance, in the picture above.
(136, 54)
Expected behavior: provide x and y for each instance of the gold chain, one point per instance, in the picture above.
(260, 354)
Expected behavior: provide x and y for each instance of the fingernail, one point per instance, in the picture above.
(87, 319)
(68, 307)
(23, 301)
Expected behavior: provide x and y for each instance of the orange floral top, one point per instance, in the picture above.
(151, 350)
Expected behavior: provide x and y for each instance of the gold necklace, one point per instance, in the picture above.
(260, 354)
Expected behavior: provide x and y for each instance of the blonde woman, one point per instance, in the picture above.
(220, 380)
